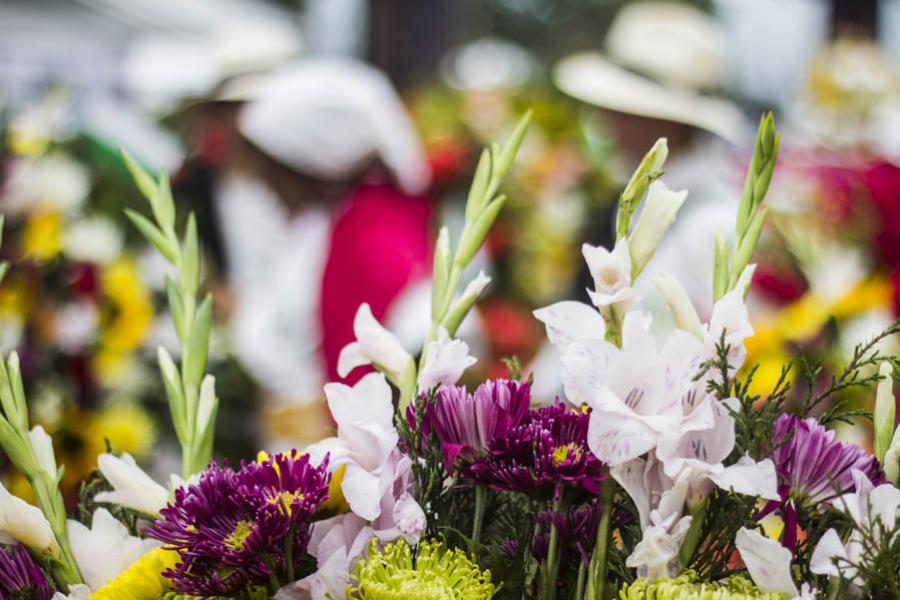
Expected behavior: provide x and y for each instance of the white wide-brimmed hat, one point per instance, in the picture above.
(663, 60)
(329, 117)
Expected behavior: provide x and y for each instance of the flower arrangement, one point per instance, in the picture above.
(657, 475)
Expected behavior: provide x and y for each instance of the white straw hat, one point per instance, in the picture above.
(329, 117)
(661, 57)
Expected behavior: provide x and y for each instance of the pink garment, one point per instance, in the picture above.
(379, 246)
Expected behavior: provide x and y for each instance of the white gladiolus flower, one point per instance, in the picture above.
(26, 524)
(374, 345)
(132, 487)
(52, 180)
(611, 272)
(447, 359)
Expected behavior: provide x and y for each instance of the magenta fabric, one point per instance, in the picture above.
(379, 246)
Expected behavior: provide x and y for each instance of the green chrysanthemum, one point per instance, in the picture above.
(437, 573)
(688, 587)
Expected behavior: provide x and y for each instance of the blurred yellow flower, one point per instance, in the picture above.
(14, 297)
(132, 308)
(127, 426)
(42, 238)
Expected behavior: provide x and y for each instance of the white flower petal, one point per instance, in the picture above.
(749, 477)
(829, 547)
(26, 524)
(569, 321)
(106, 549)
(132, 487)
(363, 492)
(767, 561)
(656, 218)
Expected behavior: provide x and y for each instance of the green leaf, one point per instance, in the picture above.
(176, 307)
(720, 268)
(473, 237)
(142, 179)
(190, 259)
(164, 206)
(508, 154)
(748, 246)
(477, 198)
(648, 171)
(18, 390)
(197, 349)
(153, 235)
(174, 392)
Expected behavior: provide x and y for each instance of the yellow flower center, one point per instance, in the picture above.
(285, 500)
(561, 453)
(235, 539)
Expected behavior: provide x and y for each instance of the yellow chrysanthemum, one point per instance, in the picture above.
(42, 238)
(132, 307)
(143, 580)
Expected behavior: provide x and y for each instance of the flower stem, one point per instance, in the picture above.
(480, 507)
(597, 571)
(274, 584)
(289, 553)
(579, 587)
(552, 565)
(693, 535)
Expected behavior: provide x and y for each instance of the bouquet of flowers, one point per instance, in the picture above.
(657, 476)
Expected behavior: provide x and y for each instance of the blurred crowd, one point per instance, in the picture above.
(319, 146)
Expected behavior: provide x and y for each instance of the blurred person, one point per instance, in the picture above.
(320, 212)
(657, 78)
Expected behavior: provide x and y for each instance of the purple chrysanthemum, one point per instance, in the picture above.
(813, 467)
(545, 452)
(230, 528)
(20, 577)
(466, 424)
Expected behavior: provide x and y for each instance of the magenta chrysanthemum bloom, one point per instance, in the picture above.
(813, 467)
(541, 455)
(467, 423)
(231, 528)
(20, 577)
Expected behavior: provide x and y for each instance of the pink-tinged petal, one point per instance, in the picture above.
(369, 402)
(569, 321)
(615, 439)
(362, 491)
(409, 518)
(768, 563)
(630, 475)
(749, 477)
(828, 549)
(447, 359)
